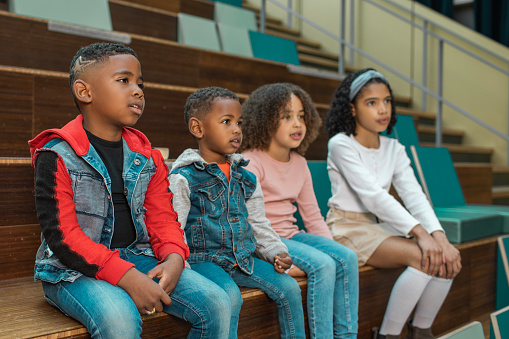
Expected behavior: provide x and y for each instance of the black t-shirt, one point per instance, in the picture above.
(112, 154)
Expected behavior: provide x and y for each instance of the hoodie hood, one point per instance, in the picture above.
(74, 134)
(191, 156)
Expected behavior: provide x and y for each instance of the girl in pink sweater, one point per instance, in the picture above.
(279, 123)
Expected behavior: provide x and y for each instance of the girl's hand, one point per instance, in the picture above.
(145, 292)
(295, 272)
(451, 256)
(282, 262)
(168, 272)
(432, 260)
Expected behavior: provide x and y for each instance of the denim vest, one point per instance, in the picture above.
(217, 229)
(91, 185)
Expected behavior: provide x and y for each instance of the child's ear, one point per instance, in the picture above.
(353, 109)
(195, 127)
(82, 91)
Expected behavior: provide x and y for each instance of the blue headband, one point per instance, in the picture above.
(361, 80)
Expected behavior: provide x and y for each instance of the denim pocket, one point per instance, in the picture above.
(90, 195)
(211, 198)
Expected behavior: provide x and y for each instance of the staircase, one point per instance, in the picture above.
(311, 55)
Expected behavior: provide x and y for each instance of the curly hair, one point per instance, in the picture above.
(261, 114)
(200, 102)
(92, 55)
(339, 118)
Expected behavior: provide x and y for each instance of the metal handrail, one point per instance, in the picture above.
(438, 96)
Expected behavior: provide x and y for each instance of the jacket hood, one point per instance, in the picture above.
(74, 134)
(191, 156)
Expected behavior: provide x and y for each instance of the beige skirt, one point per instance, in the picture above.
(359, 231)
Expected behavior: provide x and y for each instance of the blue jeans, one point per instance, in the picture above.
(281, 288)
(109, 312)
(332, 270)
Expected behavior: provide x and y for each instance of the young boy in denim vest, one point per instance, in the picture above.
(220, 206)
(112, 248)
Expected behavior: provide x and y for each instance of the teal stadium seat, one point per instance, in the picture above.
(96, 13)
(235, 40)
(198, 32)
(499, 328)
(440, 182)
(472, 330)
(502, 272)
(273, 48)
(321, 186)
(237, 3)
(235, 16)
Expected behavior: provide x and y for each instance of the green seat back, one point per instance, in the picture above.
(92, 13)
(321, 186)
(472, 330)
(502, 272)
(405, 131)
(273, 48)
(234, 40)
(235, 16)
(436, 169)
(500, 324)
(198, 32)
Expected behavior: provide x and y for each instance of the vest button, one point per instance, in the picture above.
(234, 219)
(137, 162)
(126, 191)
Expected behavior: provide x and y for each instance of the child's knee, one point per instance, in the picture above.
(117, 322)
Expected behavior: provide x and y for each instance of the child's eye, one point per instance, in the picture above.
(124, 80)
(370, 103)
(301, 116)
(239, 122)
(388, 101)
(284, 117)
(141, 86)
(225, 121)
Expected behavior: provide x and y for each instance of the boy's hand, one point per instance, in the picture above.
(282, 262)
(145, 292)
(168, 272)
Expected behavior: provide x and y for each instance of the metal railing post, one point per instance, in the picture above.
(507, 160)
(352, 29)
(289, 15)
(424, 63)
(341, 57)
(262, 16)
(440, 80)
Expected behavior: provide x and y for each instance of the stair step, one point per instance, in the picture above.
(449, 136)
(281, 28)
(316, 52)
(268, 18)
(297, 40)
(500, 192)
(501, 176)
(318, 61)
(425, 118)
(463, 153)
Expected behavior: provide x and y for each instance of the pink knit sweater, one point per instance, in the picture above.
(284, 183)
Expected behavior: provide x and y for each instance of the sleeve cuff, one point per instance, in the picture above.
(114, 269)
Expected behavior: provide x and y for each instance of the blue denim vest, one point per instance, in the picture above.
(91, 186)
(217, 229)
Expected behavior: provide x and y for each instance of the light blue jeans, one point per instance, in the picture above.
(109, 312)
(333, 284)
(280, 287)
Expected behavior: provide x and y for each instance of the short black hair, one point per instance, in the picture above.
(261, 116)
(92, 54)
(200, 102)
(340, 118)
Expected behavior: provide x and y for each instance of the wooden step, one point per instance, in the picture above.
(464, 153)
(316, 52)
(500, 175)
(298, 40)
(501, 192)
(281, 28)
(318, 61)
(268, 18)
(449, 135)
(427, 118)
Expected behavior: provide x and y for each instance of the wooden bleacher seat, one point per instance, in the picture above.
(198, 32)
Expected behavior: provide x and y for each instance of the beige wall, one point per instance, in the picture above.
(468, 83)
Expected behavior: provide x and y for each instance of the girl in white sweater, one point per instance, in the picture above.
(362, 166)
